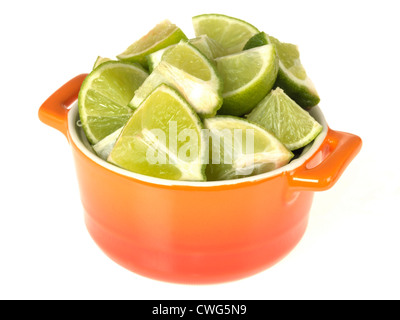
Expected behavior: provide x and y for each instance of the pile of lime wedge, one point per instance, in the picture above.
(229, 102)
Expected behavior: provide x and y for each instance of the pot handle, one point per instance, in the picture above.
(324, 168)
(54, 110)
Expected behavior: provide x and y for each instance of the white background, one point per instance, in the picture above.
(350, 50)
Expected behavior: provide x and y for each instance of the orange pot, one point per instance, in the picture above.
(197, 232)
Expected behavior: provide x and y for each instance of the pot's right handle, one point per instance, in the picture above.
(53, 111)
(324, 168)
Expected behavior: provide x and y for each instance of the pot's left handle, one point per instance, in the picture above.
(54, 111)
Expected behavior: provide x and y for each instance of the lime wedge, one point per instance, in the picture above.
(153, 59)
(239, 148)
(103, 148)
(161, 36)
(189, 59)
(163, 139)
(207, 46)
(99, 61)
(231, 33)
(292, 77)
(258, 40)
(104, 97)
(248, 76)
(186, 69)
(282, 116)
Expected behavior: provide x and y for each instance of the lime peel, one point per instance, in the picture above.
(231, 33)
(202, 87)
(161, 36)
(266, 152)
(282, 116)
(142, 145)
(104, 96)
(292, 77)
(248, 76)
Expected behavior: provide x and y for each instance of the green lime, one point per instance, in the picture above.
(248, 76)
(163, 139)
(99, 61)
(161, 36)
(104, 97)
(153, 59)
(186, 69)
(292, 77)
(103, 147)
(207, 46)
(239, 148)
(258, 40)
(282, 116)
(231, 33)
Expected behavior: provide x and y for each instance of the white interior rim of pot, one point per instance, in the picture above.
(80, 140)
